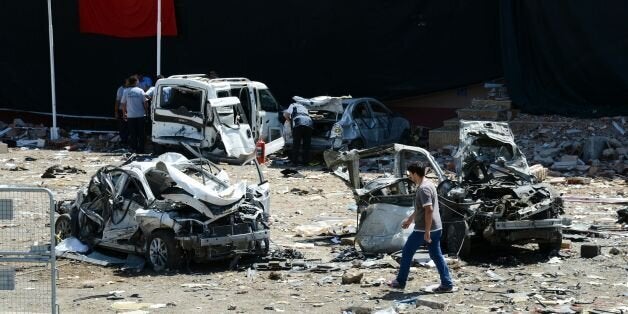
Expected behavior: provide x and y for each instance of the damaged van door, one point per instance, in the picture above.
(191, 115)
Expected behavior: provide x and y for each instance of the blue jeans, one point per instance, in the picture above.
(416, 240)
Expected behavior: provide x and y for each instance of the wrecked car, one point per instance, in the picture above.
(171, 209)
(492, 197)
(345, 122)
(220, 117)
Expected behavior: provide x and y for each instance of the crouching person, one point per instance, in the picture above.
(427, 230)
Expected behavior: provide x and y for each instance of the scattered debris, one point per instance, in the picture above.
(352, 277)
(56, 170)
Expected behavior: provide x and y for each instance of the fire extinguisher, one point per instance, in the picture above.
(260, 150)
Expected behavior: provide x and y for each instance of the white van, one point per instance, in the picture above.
(223, 116)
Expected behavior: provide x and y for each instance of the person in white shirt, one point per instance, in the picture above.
(134, 106)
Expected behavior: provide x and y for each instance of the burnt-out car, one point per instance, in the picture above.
(345, 122)
(492, 197)
(172, 209)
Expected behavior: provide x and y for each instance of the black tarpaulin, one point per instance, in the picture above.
(566, 57)
(373, 48)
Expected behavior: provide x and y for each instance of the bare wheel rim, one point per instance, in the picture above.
(158, 253)
(63, 228)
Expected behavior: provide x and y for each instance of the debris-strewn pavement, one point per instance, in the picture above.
(502, 280)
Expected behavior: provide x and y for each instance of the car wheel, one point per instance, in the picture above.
(162, 251)
(458, 241)
(63, 228)
(549, 247)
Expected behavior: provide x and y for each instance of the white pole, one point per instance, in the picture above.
(54, 131)
(158, 37)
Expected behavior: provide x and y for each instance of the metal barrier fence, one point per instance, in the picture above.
(27, 258)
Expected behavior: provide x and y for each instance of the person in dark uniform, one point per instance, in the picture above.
(302, 126)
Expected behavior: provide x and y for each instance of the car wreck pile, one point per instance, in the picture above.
(493, 197)
(170, 209)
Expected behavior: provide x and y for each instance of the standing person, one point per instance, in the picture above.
(134, 106)
(427, 229)
(302, 126)
(119, 114)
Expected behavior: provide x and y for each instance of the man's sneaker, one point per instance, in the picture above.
(443, 289)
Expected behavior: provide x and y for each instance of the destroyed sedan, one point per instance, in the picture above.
(172, 210)
(345, 122)
(493, 198)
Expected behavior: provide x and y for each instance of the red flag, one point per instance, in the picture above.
(127, 18)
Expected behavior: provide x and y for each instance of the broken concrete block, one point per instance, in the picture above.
(614, 251)
(593, 147)
(590, 250)
(539, 172)
(352, 278)
(609, 154)
(578, 180)
(431, 304)
(564, 165)
(565, 244)
(347, 241)
(549, 152)
(4, 148)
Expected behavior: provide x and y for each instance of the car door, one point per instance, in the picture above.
(383, 121)
(130, 195)
(178, 114)
(270, 127)
(363, 124)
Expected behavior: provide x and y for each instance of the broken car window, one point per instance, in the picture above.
(268, 102)
(181, 98)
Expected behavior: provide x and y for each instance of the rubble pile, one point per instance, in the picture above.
(575, 147)
(23, 134)
(567, 147)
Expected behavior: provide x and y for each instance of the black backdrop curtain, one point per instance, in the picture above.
(566, 57)
(380, 48)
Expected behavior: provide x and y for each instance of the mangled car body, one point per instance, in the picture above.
(352, 122)
(170, 209)
(222, 117)
(492, 198)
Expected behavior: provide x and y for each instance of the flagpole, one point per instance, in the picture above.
(158, 37)
(54, 131)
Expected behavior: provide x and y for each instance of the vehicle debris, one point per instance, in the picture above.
(341, 122)
(170, 207)
(494, 196)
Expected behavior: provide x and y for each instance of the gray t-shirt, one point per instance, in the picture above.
(134, 100)
(426, 195)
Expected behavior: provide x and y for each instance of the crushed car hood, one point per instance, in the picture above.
(489, 143)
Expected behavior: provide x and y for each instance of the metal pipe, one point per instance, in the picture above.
(54, 131)
(158, 37)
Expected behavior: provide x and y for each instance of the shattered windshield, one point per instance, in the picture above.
(268, 102)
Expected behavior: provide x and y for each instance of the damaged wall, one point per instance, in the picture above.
(384, 49)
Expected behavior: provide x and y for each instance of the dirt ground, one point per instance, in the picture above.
(503, 280)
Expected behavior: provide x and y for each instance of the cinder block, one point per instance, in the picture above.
(4, 148)
(590, 250)
(443, 136)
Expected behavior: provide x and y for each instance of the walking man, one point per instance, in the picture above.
(134, 106)
(427, 230)
(302, 126)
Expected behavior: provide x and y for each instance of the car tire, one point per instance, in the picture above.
(549, 247)
(63, 228)
(458, 241)
(163, 251)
